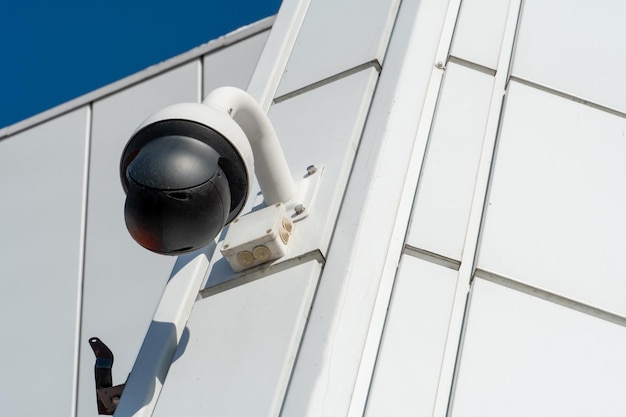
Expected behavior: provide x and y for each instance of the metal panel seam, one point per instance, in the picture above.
(551, 297)
(568, 96)
(81, 259)
(472, 65)
(200, 80)
(370, 64)
(399, 231)
(452, 352)
(431, 257)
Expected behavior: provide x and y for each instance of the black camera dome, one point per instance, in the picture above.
(182, 188)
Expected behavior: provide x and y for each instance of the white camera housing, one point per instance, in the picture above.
(187, 170)
(211, 117)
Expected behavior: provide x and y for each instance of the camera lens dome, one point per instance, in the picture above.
(178, 196)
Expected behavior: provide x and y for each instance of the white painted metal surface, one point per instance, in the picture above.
(475, 221)
(479, 31)
(234, 65)
(412, 51)
(444, 195)
(524, 356)
(407, 369)
(165, 333)
(559, 188)
(336, 37)
(333, 372)
(42, 177)
(239, 347)
(575, 47)
(278, 47)
(326, 135)
(118, 272)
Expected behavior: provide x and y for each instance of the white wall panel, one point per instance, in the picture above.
(326, 379)
(524, 356)
(444, 195)
(239, 346)
(321, 127)
(42, 179)
(123, 281)
(575, 47)
(479, 30)
(409, 359)
(338, 36)
(233, 65)
(555, 216)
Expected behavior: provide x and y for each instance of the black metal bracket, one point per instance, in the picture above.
(107, 395)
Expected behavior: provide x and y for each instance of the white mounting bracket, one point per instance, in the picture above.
(263, 235)
(301, 204)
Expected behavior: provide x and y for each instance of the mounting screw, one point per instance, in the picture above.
(439, 64)
(311, 169)
(299, 209)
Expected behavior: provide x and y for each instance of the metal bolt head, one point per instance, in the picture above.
(311, 169)
(439, 64)
(299, 209)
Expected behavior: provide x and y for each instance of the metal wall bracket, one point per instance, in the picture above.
(107, 395)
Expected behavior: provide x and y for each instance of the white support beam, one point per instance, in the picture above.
(445, 394)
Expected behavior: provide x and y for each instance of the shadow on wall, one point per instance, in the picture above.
(158, 351)
(160, 334)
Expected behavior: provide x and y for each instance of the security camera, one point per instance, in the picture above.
(187, 170)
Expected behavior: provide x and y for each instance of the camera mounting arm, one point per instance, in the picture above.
(271, 167)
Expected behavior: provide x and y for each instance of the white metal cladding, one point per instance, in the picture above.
(555, 217)
(575, 47)
(337, 37)
(322, 126)
(409, 360)
(238, 349)
(42, 178)
(232, 66)
(525, 356)
(479, 31)
(327, 369)
(519, 176)
(444, 195)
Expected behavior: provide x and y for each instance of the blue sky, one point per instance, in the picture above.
(54, 51)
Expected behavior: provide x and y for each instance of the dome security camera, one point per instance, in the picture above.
(187, 170)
